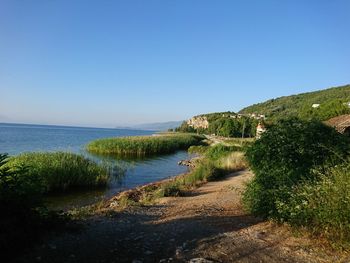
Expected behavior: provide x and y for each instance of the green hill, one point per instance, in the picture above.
(333, 102)
(330, 103)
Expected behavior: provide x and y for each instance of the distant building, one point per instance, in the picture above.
(198, 122)
(340, 123)
(315, 105)
(256, 116)
(260, 129)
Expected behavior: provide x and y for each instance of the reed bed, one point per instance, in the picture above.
(144, 145)
(59, 171)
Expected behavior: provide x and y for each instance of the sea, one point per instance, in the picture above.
(20, 138)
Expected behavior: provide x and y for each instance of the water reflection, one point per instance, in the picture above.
(125, 173)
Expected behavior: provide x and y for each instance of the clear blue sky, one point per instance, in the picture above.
(107, 63)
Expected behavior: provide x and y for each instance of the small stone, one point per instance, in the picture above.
(148, 252)
(200, 260)
(136, 261)
(178, 251)
(52, 246)
(260, 235)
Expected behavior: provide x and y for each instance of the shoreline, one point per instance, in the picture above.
(202, 225)
(131, 196)
(136, 193)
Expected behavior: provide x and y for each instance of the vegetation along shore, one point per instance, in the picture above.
(298, 181)
(25, 180)
(144, 145)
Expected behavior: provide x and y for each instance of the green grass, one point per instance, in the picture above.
(216, 162)
(24, 218)
(60, 171)
(218, 151)
(227, 160)
(144, 145)
(323, 206)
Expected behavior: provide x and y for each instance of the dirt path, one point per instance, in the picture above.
(208, 224)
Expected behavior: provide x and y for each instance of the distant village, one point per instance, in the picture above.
(201, 122)
(340, 123)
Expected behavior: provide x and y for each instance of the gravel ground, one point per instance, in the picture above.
(208, 225)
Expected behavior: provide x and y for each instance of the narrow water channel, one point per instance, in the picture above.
(125, 174)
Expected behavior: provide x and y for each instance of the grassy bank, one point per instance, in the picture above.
(60, 171)
(24, 218)
(144, 145)
(214, 163)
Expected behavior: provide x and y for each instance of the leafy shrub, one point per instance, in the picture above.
(23, 216)
(323, 206)
(17, 187)
(286, 156)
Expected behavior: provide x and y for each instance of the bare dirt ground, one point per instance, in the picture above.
(208, 225)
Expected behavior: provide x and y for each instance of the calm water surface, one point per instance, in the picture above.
(126, 173)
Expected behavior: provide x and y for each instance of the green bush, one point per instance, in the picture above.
(59, 171)
(323, 206)
(22, 213)
(285, 156)
(24, 179)
(17, 186)
(144, 145)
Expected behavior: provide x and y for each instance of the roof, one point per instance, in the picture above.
(340, 123)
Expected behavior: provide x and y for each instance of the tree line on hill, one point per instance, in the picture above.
(225, 126)
(332, 102)
(319, 105)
